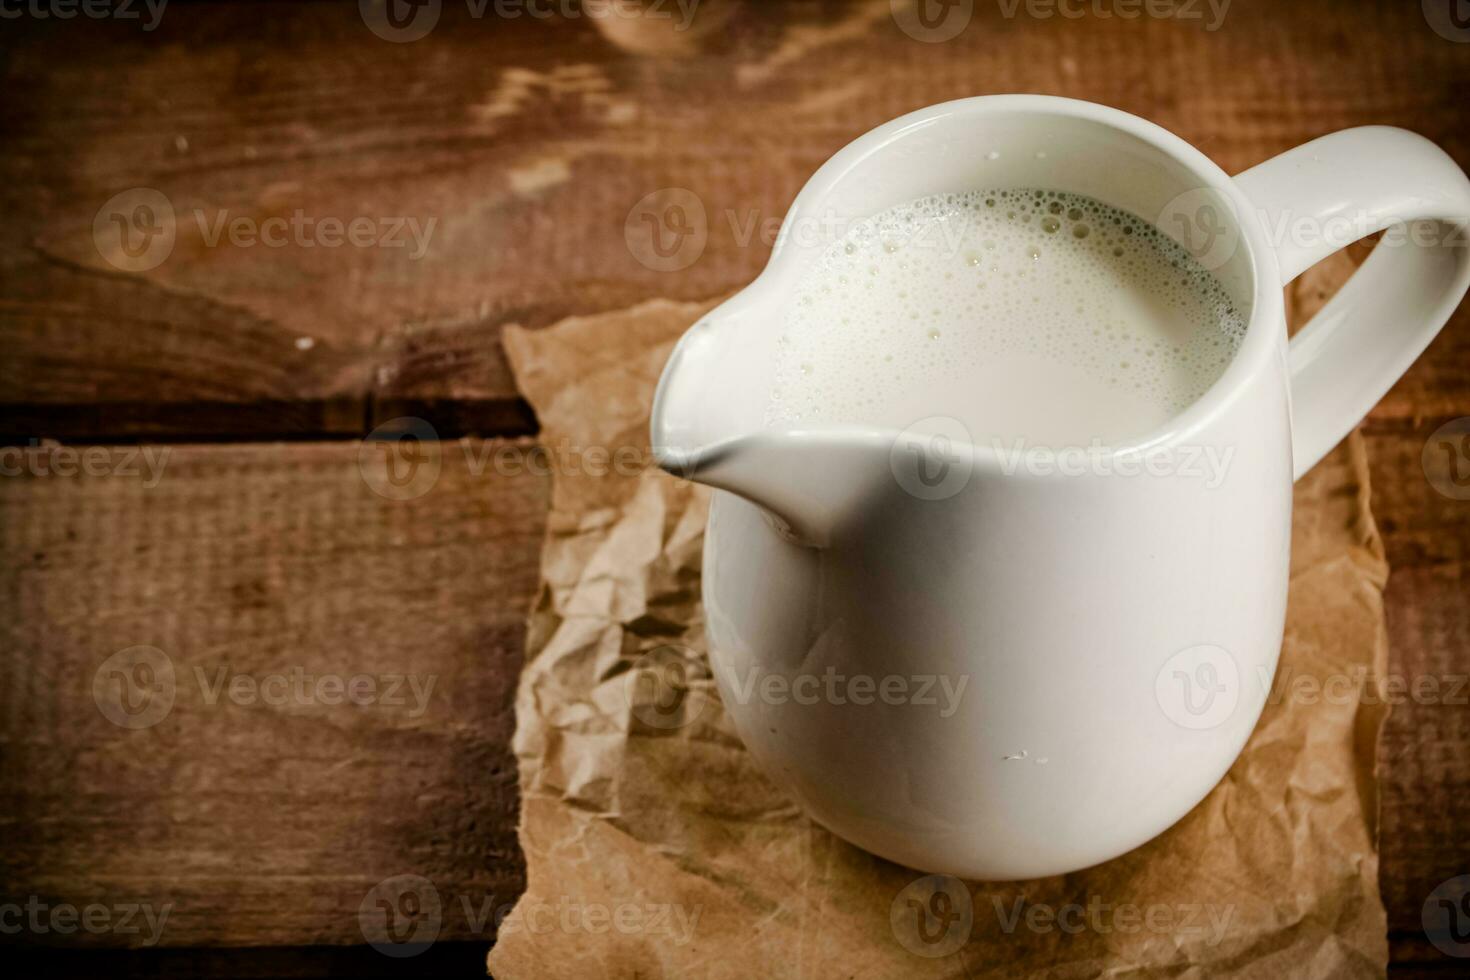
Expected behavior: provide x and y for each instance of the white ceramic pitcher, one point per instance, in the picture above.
(1003, 671)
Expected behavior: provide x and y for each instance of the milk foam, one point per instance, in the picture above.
(1025, 314)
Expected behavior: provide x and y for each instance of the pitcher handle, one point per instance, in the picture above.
(1322, 196)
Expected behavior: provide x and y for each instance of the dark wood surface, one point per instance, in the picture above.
(528, 142)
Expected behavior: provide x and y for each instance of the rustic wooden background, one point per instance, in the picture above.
(265, 549)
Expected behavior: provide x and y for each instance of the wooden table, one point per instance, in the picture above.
(263, 551)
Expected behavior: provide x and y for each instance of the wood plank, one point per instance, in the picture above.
(1424, 766)
(263, 819)
(1422, 752)
(528, 142)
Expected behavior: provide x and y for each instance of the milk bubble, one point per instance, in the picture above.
(1025, 314)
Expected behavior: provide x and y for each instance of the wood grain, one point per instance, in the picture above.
(1424, 752)
(1422, 769)
(527, 142)
(264, 818)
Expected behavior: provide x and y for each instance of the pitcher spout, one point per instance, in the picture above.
(808, 482)
(708, 425)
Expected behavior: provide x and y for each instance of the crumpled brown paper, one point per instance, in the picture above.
(655, 848)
